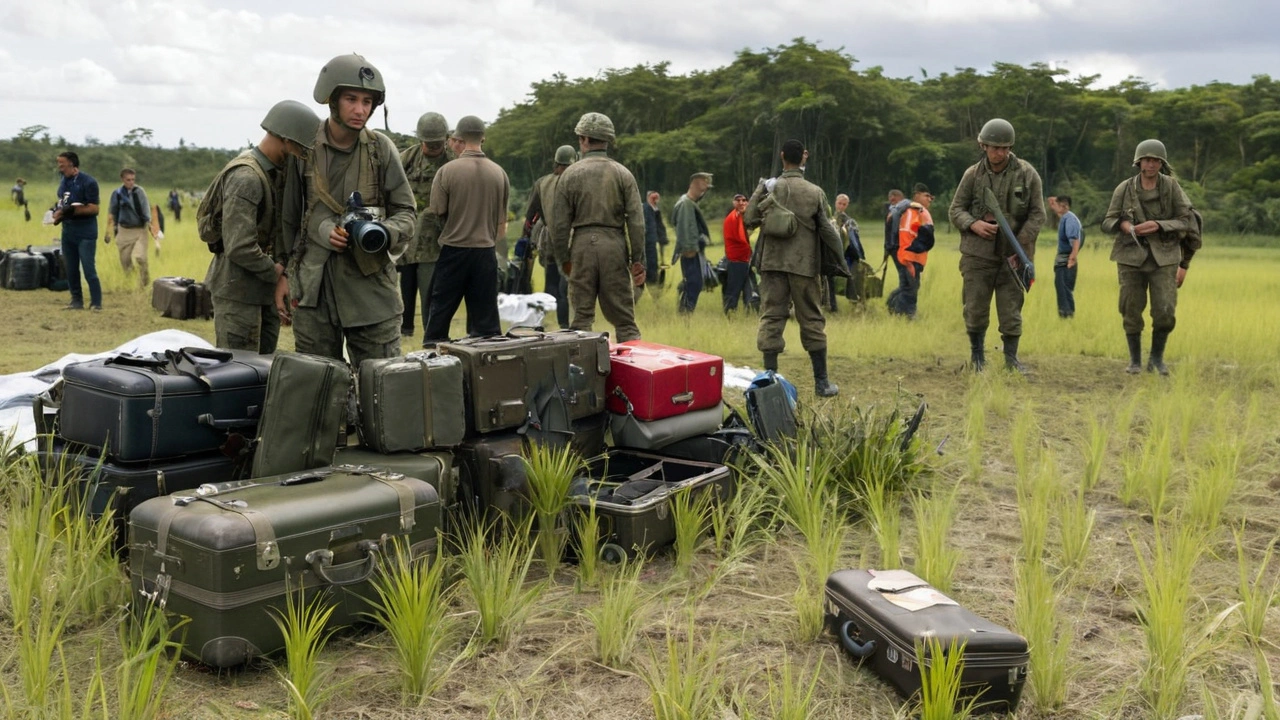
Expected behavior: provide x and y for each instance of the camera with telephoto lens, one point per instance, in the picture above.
(362, 226)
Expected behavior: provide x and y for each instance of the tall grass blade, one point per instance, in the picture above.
(616, 620)
(550, 472)
(936, 558)
(304, 624)
(495, 573)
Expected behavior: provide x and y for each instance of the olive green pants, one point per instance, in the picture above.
(601, 272)
(1162, 285)
(778, 292)
(314, 333)
(243, 326)
(982, 279)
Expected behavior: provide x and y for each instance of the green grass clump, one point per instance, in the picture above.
(687, 681)
(150, 660)
(616, 620)
(939, 696)
(936, 558)
(1038, 618)
(586, 532)
(304, 624)
(550, 472)
(690, 513)
(791, 696)
(495, 573)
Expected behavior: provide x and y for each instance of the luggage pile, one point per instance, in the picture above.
(32, 268)
(181, 298)
(233, 476)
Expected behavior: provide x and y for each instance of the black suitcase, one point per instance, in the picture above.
(26, 271)
(181, 298)
(492, 477)
(185, 402)
(57, 275)
(727, 446)
(880, 615)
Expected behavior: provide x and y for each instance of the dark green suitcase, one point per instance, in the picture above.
(492, 477)
(435, 468)
(305, 411)
(411, 403)
(226, 554)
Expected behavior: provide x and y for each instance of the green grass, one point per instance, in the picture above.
(550, 471)
(307, 678)
(686, 681)
(495, 571)
(617, 618)
(936, 556)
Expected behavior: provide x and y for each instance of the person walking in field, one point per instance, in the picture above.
(1155, 240)
(914, 239)
(130, 215)
(692, 236)
(1066, 264)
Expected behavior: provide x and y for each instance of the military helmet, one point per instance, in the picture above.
(432, 127)
(351, 71)
(565, 155)
(291, 120)
(596, 126)
(470, 125)
(997, 132)
(1150, 149)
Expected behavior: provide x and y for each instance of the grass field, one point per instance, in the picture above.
(1123, 523)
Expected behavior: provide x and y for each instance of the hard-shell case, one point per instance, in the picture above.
(435, 468)
(492, 476)
(181, 298)
(412, 403)
(655, 381)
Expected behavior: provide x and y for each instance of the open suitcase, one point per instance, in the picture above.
(632, 493)
(654, 381)
(226, 554)
(880, 615)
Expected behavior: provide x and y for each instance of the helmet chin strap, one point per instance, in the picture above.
(386, 121)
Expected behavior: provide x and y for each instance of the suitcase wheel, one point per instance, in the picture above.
(613, 553)
(860, 650)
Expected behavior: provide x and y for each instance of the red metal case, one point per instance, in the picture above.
(654, 381)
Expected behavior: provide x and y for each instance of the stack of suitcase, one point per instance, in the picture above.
(56, 278)
(24, 270)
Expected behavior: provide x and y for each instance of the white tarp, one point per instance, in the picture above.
(18, 390)
(525, 310)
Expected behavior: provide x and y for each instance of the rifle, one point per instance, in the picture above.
(1024, 272)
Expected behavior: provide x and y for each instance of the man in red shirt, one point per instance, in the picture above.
(737, 250)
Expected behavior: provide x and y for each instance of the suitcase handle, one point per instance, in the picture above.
(136, 361)
(321, 562)
(860, 650)
(682, 398)
(232, 424)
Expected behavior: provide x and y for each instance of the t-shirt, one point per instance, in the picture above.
(1068, 229)
(84, 190)
(736, 246)
(470, 194)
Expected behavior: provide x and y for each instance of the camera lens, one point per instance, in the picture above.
(369, 236)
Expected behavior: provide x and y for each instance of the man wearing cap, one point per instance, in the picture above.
(692, 235)
(416, 265)
(342, 292)
(537, 231)
(915, 240)
(470, 196)
(737, 253)
(598, 204)
(247, 266)
(984, 249)
(1151, 217)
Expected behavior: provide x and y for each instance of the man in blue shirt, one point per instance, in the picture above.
(1070, 236)
(77, 212)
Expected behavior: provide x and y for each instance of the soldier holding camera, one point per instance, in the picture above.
(341, 277)
(470, 195)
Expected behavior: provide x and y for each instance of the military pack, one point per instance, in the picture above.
(209, 212)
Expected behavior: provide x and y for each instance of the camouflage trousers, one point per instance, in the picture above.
(778, 292)
(982, 279)
(1162, 285)
(243, 326)
(131, 244)
(601, 272)
(318, 331)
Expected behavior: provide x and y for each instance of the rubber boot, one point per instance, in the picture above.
(1135, 353)
(822, 387)
(977, 351)
(1155, 362)
(1011, 353)
(771, 361)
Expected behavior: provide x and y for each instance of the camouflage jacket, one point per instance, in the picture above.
(421, 171)
(1167, 204)
(1021, 197)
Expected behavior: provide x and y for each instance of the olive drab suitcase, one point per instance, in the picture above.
(304, 413)
(517, 378)
(630, 432)
(411, 403)
(492, 476)
(436, 468)
(879, 616)
(181, 298)
(632, 492)
(176, 404)
(224, 555)
(655, 381)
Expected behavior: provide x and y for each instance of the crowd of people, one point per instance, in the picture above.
(327, 226)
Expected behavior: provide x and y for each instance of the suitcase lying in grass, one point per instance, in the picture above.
(632, 493)
(412, 403)
(185, 402)
(654, 381)
(225, 555)
(56, 278)
(25, 270)
(630, 432)
(181, 298)
(879, 616)
(305, 410)
(434, 468)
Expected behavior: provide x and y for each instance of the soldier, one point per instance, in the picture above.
(1151, 217)
(596, 199)
(692, 236)
(243, 274)
(983, 249)
(537, 230)
(340, 290)
(791, 266)
(419, 260)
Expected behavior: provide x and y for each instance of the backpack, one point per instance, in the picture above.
(209, 212)
(779, 222)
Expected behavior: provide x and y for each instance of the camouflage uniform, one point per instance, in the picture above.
(420, 256)
(544, 193)
(598, 201)
(242, 278)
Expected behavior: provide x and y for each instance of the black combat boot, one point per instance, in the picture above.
(822, 387)
(771, 361)
(977, 351)
(1135, 353)
(1011, 354)
(1155, 362)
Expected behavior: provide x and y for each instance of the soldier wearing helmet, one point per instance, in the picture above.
(597, 203)
(248, 263)
(1150, 216)
(344, 292)
(537, 230)
(416, 266)
(983, 249)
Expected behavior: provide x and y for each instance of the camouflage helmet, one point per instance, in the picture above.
(1150, 149)
(351, 71)
(291, 120)
(997, 132)
(565, 155)
(432, 127)
(596, 126)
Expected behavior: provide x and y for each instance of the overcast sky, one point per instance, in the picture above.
(207, 71)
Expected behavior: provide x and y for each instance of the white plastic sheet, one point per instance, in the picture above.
(525, 310)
